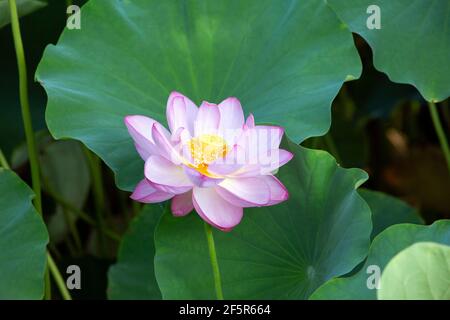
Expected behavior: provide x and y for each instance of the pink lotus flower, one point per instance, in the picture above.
(212, 160)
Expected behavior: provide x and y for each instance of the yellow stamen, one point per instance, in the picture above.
(206, 149)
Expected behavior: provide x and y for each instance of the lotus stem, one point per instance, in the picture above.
(440, 132)
(25, 106)
(58, 278)
(214, 262)
(26, 117)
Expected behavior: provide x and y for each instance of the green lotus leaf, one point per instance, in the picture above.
(384, 247)
(412, 44)
(285, 61)
(279, 252)
(420, 272)
(388, 210)
(23, 241)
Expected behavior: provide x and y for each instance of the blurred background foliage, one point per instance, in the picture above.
(377, 125)
(385, 128)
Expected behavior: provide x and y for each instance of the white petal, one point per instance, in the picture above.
(215, 210)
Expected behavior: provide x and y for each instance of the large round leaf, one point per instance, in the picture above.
(279, 252)
(384, 247)
(388, 210)
(133, 277)
(413, 44)
(284, 60)
(23, 241)
(420, 272)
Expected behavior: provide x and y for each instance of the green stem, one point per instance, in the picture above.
(58, 278)
(48, 286)
(440, 132)
(26, 116)
(25, 106)
(99, 196)
(214, 263)
(3, 161)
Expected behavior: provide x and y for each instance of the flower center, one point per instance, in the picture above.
(206, 149)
